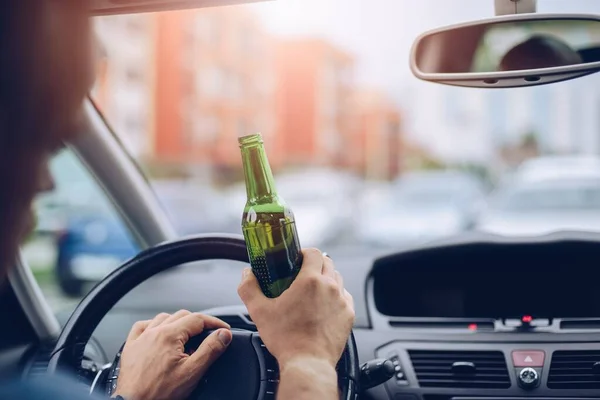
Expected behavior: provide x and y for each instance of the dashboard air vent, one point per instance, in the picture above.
(439, 324)
(577, 369)
(460, 369)
(579, 324)
(38, 365)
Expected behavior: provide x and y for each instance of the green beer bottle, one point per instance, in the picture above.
(268, 223)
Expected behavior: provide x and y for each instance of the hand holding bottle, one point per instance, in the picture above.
(268, 224)
(307, 326)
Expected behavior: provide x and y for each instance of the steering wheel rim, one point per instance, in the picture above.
(69, 348)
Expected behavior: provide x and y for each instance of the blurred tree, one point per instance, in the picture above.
(527, 147)
(416, 157)
(481, 171)
(164, 170)
(432, 164)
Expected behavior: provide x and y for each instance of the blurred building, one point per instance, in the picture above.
(313, 93)
(214, 82)
(375, 146)
(458, 125)
(181, 87)
(124, 89)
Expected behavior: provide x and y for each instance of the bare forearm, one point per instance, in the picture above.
(307, 379)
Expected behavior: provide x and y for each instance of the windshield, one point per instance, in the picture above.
(351, 135)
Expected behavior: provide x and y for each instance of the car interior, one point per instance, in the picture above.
(470, 317)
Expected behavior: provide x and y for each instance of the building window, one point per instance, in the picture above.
(211, 27)
(133, 125)
(246, 40)
(345, 76)
(264, 85)
(189, 55)
(242, 128)
(133, 75)
(187, 83)
(134, 24)
(235, 87)
(213, 82)
(207, 129)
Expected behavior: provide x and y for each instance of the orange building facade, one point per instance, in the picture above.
(313, 89)
(214, 82)
(189, 83)
(376, 149)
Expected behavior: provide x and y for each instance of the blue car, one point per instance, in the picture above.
(91, 246)
(94, 241)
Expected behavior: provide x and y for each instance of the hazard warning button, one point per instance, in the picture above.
(528, 358)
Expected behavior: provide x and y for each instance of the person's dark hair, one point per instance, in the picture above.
(40, 80)
(539, 51)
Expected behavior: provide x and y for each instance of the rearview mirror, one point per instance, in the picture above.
(510, 51)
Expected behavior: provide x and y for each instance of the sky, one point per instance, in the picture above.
(381, 32)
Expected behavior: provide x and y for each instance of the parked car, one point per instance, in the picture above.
(553, 167)
(73, 189)
(92, 245)
(423, 206)
(323, 202)
(192, 207)
(537, 208)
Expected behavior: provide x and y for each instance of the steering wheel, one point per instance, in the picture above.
(246, 371)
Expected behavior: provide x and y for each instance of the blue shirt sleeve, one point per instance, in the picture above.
(50, 387)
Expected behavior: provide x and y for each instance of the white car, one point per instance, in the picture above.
(323, 202)
(553, 167)
(538, 208)
(421, 207)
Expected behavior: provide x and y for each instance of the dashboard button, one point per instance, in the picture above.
(528, 358)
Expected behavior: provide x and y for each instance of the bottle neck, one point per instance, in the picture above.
(257, 173)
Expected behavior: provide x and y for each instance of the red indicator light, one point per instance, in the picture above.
(472, 327)
(527, 319)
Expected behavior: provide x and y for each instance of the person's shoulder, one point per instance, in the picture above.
(50, 387)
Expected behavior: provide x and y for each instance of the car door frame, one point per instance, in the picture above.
(106, 159)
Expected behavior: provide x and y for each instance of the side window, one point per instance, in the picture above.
(79, 237)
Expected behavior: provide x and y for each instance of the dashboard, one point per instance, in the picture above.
(476, 318)
(487, 319)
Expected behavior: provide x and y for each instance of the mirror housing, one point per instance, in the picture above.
(436, 56)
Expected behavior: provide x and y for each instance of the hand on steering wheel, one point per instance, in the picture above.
(154, 364)
(257, 380)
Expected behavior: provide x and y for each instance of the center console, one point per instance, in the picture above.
(486, 323)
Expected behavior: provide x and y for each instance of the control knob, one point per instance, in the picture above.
(528, 378)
